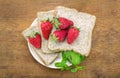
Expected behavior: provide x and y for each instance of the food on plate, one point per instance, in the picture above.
(65, 32)
(83, 21)
(46, 27)
(59, 35)
(46, 58)
(72, 35)
(62, 23)
(41, 17)
(35, 39)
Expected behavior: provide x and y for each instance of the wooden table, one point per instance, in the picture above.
(16, 60)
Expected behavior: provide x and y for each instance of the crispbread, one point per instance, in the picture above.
(81, 20)
(46, 58)
(41, 17)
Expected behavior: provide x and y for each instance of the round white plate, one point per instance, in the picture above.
(34, 54)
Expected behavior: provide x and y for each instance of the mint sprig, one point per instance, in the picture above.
(72, 57)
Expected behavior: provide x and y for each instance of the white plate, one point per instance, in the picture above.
(34, 54)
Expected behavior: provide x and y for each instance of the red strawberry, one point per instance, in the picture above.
(72, 35)
(35, 39)
(46, 28)
(59, 35)
(62, 23)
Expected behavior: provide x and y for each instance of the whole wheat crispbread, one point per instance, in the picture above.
(41, 17)
(46, 58)
(81, 20)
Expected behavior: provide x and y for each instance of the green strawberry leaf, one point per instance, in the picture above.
(54, 38)
(76, 28)
(33, 34)
(56, 23)
(48, 19)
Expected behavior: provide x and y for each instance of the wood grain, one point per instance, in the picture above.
(17, 62)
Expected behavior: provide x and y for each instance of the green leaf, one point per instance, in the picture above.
(67, 67)
(77, 68)
(33, 34)
(78, 29)
(48, 19)
(74, 70)
(54, 38)
(65, 54)
(58, 64)
(82, 57)
(56, 22)
(62, 68)
(64, 61)
(74, 58)
(80, 67)
(62, 64)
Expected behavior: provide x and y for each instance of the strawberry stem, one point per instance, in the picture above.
(76, 28)
(33, 34)
(56, 22)
(48, 19)
(54, 38)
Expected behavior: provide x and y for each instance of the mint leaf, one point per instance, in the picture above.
(62, 64)
(58, 64)
(82, 57)
(80, 67)
(67, 67)
(62, 68)
(65, 54)
(74, 58)
(77, 68)
(74, 70)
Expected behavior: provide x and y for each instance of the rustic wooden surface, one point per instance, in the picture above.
(16, 60)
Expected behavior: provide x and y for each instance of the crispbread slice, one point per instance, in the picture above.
(41, 17)
(27, 31)
(46, 58)
(81, 20)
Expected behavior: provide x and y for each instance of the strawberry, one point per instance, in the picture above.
(62, 23)
(59, 35)
(46, 28)
(72, 35)
(35, 39)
